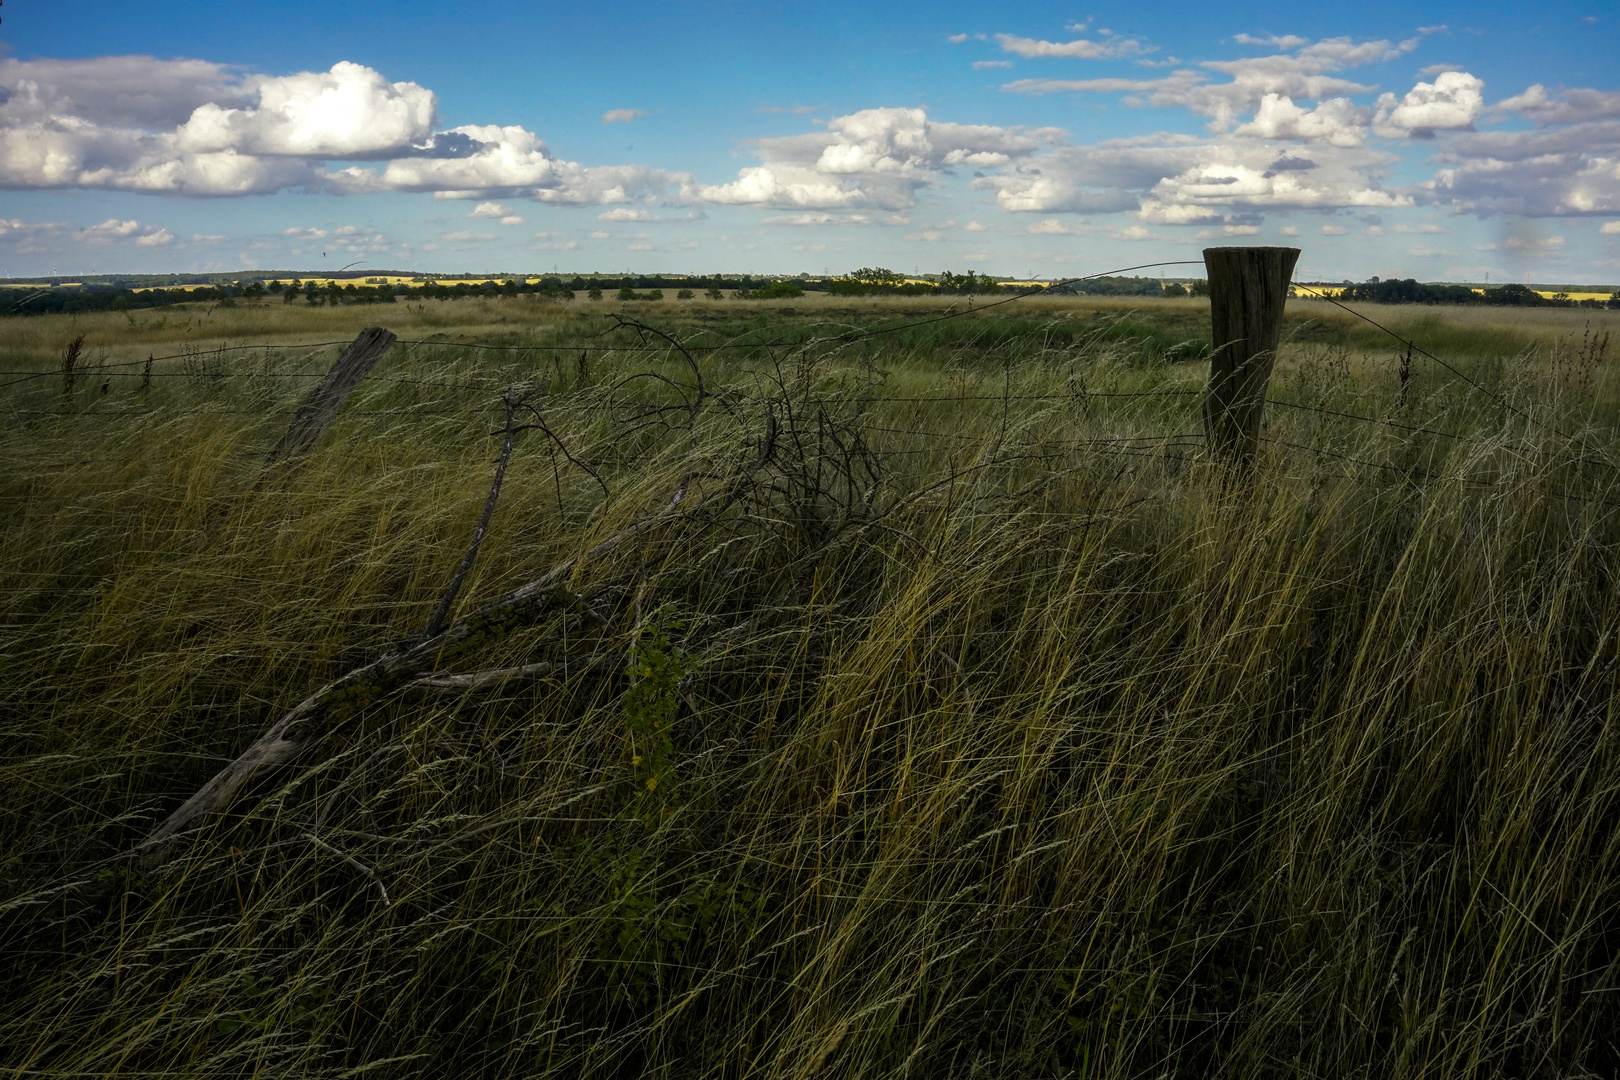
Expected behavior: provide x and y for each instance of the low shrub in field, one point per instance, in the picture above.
(775, 290)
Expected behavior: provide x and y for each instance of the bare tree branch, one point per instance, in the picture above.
(490, 680)
(540, 424)
(692, 405)
(354, 862)
(441, 614)
(338, 701)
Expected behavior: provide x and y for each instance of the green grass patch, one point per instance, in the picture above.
(960, 719)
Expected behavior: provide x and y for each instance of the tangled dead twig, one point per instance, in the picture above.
(331, 706)
(442, 613)
(376, 879)
(539, 424)
(809, 479)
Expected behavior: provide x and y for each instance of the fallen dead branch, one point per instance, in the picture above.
(341, 700)
(808, 480)
(499, 677)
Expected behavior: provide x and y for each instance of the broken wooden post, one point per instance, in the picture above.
(321, 407)
(1248, 287)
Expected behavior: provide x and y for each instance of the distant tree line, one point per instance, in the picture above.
(90, 298)
(867, 281)
(80, 299)
(1125, 286)
(1408, 291)
(878, 281)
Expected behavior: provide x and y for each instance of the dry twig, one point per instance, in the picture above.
(441, 614)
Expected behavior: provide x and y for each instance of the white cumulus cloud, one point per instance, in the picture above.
(188, 127)
(502, 214)
(1549, 172)
(1173, 180)
(1080, 48)
(814, 218)
(783, 185)
(1305, 73)
(113, 230)
(1275, 41)
(348, 112)
(1533, 243)
(116, 91)
(1451, 103)
(508, 161)
(874, 158)
(1336, 121)
(1140, 233)
(1573, 106)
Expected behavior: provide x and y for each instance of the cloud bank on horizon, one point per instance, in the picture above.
(1262, 143)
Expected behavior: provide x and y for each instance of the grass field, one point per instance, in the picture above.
(958, 718)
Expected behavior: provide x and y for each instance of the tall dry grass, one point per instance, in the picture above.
(1022, 754)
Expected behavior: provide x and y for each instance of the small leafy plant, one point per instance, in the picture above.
(305, 1010)
(657, 667)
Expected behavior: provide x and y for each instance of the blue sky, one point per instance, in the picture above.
(1440, 141)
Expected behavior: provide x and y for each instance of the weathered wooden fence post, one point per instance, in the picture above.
(1247, 289)
(321, 407)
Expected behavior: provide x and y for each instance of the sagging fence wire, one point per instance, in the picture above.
(1495, 398)
(1080, 396)
(844, 338)
(1140, 446)
(1025, 450)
